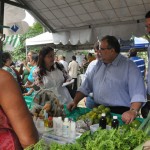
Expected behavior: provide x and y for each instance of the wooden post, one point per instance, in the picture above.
(1, 29)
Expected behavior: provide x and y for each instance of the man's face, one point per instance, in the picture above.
(105, 52)
(147, 25)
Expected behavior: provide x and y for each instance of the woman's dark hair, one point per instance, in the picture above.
(112, 42)
(5, 57)
(147, 14)
(41, 64)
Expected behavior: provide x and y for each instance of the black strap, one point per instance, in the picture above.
(118, 109)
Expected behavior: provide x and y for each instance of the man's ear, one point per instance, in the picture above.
(112, 50)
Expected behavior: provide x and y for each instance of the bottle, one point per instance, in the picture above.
(115, 122)
(72, 130)
(45, 119)
(55, 124)
(59, 125)
(66, 128)
(102, 121)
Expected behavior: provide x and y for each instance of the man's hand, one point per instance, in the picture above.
(71, 106)
(128, 116)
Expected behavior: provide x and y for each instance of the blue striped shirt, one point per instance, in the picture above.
(116, 84)
(140, 63)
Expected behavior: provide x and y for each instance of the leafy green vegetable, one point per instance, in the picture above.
(106, 139)
(41, 145)
(100, 140)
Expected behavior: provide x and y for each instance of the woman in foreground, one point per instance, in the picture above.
(17, 130)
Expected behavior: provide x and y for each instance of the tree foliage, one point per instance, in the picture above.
(19, 52)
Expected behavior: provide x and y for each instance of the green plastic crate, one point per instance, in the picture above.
(76, 112)
(81, 111)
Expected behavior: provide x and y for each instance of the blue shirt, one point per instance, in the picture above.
(30, 77)
(115, 84)
(140, 63)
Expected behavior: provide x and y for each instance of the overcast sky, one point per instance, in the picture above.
(29, 19)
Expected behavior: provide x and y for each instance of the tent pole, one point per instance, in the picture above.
(1, 29)
(26, 51)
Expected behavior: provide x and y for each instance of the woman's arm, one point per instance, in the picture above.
(16, 110)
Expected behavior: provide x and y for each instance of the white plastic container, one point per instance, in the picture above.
(66, 128)
(54, 124)
(59, 124)
(94, 127)
(72, 130)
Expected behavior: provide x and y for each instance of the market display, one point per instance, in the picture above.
(120, 137)
(100, 140)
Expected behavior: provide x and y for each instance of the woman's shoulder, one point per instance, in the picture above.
(5, 75)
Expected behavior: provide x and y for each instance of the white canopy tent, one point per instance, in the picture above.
(48, 38)
(78, 22)
(44, 38)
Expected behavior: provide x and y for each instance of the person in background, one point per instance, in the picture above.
(64, 58)
(25, 70)
(63, 62)
(146, 108)
(115, 81)
(89, 99)
(56, 59)
(6, 63)
(73, 72)
(30, 82)
(90, 57)
(138, 61)
(84, 65)
(51, 75)
(17, 130)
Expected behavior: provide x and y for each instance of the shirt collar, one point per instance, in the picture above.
(116, 60)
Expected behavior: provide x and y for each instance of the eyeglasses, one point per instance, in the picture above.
(104, 48)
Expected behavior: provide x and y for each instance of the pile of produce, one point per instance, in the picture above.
(101, 140)
(95, 114)
(126, 137)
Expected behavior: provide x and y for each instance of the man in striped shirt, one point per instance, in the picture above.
(137, 60)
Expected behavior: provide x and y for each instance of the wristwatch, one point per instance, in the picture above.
(134, 110)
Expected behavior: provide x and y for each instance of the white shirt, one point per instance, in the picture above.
(73, 69)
